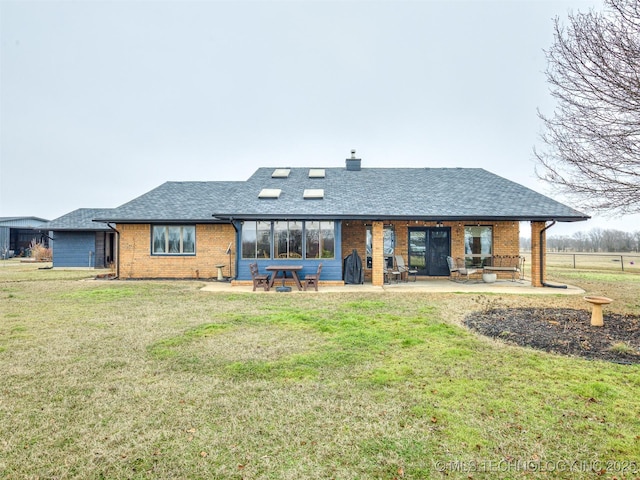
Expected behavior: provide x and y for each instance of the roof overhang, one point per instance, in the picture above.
(173, 221)
(426, 218)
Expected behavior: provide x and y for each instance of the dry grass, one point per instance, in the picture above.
(159, 380)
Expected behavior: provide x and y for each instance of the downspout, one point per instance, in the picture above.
(542, 257)
(118, 250)
(233, 224)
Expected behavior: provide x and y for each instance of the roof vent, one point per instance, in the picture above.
(281, 173)
(269, 193)
(353, 163)
(313, 193)
(316, 173)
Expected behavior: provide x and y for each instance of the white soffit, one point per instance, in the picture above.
(269, 193)
(313, 193)
(281, 173)
(316, 173)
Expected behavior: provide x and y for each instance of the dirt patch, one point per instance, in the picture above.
(563, 331)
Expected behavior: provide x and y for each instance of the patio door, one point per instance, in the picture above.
(428, 250)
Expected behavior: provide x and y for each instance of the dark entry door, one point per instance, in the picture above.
(428, 250)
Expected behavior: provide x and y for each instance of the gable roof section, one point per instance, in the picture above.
(398, 193)
(177, 202)
(80, 219)
(370, 193)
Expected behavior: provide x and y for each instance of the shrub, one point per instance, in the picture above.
(40, 253)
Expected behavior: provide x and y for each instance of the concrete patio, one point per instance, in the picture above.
(425, 286)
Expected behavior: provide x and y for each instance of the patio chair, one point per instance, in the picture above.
(388, 272)
(454, 273)
(312, 279)
(463, 270)
(457, 269)
(397, 274)
(259, 280)
(404, 270)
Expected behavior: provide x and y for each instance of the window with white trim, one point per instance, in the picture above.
(173, 240)
(478, 245)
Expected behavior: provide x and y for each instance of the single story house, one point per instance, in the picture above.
(307, 216)
(78, 241)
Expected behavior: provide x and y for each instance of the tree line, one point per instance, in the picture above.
(595, 240)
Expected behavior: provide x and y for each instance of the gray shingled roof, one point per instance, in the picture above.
(369, 193)
(80, 219)
(398, 193)
(177, 202)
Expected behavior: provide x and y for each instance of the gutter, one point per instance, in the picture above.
(542, 256)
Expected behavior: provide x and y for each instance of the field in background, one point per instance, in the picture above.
(604, 262)
(595, 261)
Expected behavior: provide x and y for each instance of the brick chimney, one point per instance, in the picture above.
(353, 163)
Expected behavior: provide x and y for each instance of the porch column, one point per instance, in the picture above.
(377, 254)
(537, 277)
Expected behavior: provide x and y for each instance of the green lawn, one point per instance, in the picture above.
(160, 380)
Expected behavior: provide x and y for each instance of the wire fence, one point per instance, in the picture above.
(625, 262)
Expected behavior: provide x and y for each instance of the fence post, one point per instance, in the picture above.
(574, 261)
(622, 262)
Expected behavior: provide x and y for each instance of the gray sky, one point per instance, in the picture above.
(103, 101)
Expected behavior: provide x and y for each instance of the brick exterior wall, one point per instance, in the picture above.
(506, 240)
(536, 277)
(377, 253)
(136, 261)
(212, 240)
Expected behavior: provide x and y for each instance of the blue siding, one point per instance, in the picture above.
(74, 249)
(331, 267)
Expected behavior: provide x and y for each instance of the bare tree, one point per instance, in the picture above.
(595, 235)
(592, 141)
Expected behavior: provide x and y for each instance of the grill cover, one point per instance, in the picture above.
(352, 271)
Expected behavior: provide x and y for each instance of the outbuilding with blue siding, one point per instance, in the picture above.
(78, 241)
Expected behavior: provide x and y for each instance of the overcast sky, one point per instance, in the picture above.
(103, 101)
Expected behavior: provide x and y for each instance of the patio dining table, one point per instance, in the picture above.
(283, 269)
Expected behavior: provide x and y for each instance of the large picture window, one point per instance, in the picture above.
(256, 240)
(291, 239)
(478, 245)
(287, 239)
(320, 239)
(173, 240)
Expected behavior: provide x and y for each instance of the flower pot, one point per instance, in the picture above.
(489, 277)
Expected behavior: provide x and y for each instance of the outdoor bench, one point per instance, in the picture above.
(513, 264)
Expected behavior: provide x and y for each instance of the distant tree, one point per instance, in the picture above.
(595, 235)
(636, 240)
(580, 241)
(592, 140)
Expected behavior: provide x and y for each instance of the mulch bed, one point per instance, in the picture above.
(563, 331)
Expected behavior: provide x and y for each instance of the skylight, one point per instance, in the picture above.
(269, 193)
(316, 173)
(313, 193)
(281, 173)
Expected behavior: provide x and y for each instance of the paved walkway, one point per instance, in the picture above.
(428, 286)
